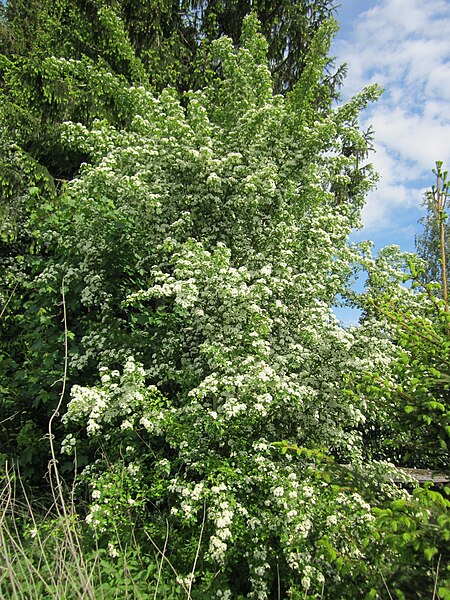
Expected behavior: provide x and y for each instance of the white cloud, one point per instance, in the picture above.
(416, 137)
(394, 194)
(404, 46)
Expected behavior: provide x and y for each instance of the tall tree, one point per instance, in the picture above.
(193, 200)
(433, 244)
(77, 61)
(205, 242)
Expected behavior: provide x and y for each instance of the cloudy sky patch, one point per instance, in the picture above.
(404, 46)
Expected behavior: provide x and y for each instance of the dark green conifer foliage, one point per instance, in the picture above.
(288, 26)
(150, 42)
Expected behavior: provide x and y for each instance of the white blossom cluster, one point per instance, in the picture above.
(116, 402)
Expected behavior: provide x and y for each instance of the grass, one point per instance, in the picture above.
(48, 553)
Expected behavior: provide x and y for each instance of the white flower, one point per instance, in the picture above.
(308, 491)
(332, 520)
(133, 469)
(196, 492)
(185, 581)
(129, 365)
(92, 427)
(216, 489)
(306, 583)
(187, 509)
(224, 534)
(266, 373)
(217, 548)
(145, 423)
(223, 521)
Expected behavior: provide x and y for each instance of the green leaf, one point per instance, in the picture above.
(430, 552)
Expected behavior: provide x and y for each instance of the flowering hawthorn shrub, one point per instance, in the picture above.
(205, 245)
(207, 242)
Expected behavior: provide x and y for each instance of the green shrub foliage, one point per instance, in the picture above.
(415, 392)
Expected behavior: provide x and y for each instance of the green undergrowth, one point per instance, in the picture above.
(50, 552)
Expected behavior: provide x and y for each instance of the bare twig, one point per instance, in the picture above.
(161, 562)
(197, 551)
(10, 418)
(278, 581)
(164, 557)
(60, 504)
(9, 300)
(386, 586)
(435, 589)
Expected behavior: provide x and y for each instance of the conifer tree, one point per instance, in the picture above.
(289, 28)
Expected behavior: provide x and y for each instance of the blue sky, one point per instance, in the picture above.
(404, 45)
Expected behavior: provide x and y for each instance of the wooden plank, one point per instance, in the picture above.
(420, 475)
(423, 475)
